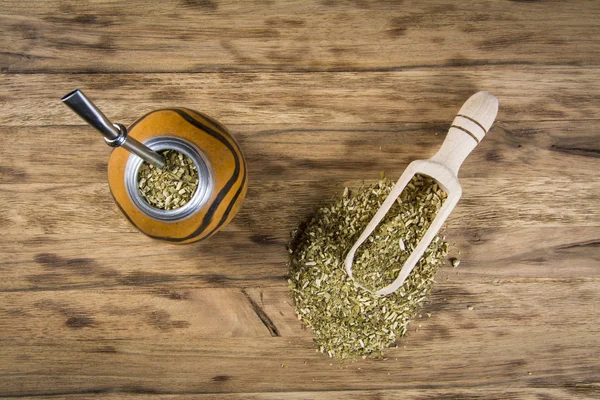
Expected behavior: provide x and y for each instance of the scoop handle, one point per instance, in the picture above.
(469, 127)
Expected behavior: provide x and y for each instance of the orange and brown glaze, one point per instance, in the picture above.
(224, 156)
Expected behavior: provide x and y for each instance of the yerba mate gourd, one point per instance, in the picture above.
(176, 174)
(221, 167)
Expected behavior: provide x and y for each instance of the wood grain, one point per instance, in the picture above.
(230, 260)
(161, 345)
(219, 35)
(216, 314)
(321, 95)
(422, 95)
(490, 392)
(567, 149)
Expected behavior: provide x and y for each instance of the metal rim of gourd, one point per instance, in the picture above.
(203, 190)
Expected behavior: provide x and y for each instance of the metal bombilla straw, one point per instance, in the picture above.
(115, 135)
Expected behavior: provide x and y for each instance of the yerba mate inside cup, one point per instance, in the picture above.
(200, 195)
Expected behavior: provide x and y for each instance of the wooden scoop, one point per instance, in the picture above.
(469, 127)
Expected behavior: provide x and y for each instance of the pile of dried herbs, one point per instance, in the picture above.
(172, 186)
(349, 321)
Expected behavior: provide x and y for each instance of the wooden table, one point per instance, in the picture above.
(321, 95)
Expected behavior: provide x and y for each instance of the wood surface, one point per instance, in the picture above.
(320, 95)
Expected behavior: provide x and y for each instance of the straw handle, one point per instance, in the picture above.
(470, 126)
(115, 135)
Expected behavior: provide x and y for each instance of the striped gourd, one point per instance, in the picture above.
(229, 174)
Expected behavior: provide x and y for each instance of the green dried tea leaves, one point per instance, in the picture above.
(348, 321)
(378, 261)
(172, 186)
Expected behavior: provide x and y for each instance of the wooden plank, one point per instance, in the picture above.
(286, 35)
(421, 95)
(163, 313)
(503, 202)
(254, 258)
(140, 314)
(76, 155)
(579, 392)
(497, 305)
(55, 262)
(496, 343)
